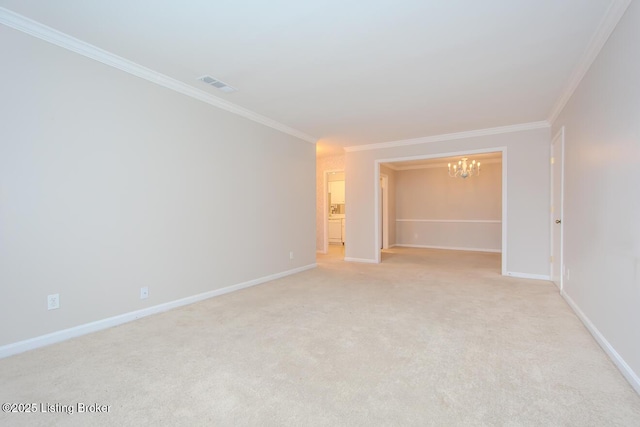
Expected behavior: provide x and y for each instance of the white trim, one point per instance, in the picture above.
(624, 368)
(364, 260)
(449, 248)
(528, 276)
(385, 210)
(65, 334)
(606, 27)
(376, 211)
(481, 221)
(451, 136)
(504, 211)
(376, 183)
(48, 34)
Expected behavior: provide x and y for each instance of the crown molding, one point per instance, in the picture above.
(48, 34)
(606, 27)
(450, 136)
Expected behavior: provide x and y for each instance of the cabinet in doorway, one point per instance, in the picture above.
(335, 231)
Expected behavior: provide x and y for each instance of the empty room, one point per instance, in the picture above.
(320, 213)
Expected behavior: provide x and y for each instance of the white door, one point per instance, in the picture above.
(557, 194)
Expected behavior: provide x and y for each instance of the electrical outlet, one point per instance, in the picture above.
(144, 292)
(291, 255)
(53, 301)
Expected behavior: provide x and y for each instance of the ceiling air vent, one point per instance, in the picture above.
(217, 84)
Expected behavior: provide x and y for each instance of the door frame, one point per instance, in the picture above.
(376, 194)
(557, 138)
(384, 227)
(325, 203)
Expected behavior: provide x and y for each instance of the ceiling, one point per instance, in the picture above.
(352, 73)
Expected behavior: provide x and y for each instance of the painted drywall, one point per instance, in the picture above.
(337, 176)
(527, 158)
(428, 199)
(109, 183)
(323, 164)
(602, 192)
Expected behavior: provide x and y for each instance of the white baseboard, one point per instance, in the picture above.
(365, 260)
(449, 248)
(528, 276)
(624, 368)
(76, 331)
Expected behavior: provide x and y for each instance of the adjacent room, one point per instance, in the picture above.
(452, 203)
(320, 213)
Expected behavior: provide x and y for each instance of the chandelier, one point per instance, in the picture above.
(464, 169)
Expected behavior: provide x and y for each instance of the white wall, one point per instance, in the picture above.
(335, 176)
(435, 210)
(602, 194)
(109, 183)
(527, 158)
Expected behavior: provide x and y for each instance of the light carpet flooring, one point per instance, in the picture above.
(425, 338)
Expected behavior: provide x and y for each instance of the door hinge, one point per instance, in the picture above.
(551, 258)
(553, 160)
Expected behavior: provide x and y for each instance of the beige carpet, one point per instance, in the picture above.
(425, 338)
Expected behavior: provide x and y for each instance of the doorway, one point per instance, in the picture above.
(454, 229)
(334, 212)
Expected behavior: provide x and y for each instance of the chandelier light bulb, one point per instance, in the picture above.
(464, 169)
